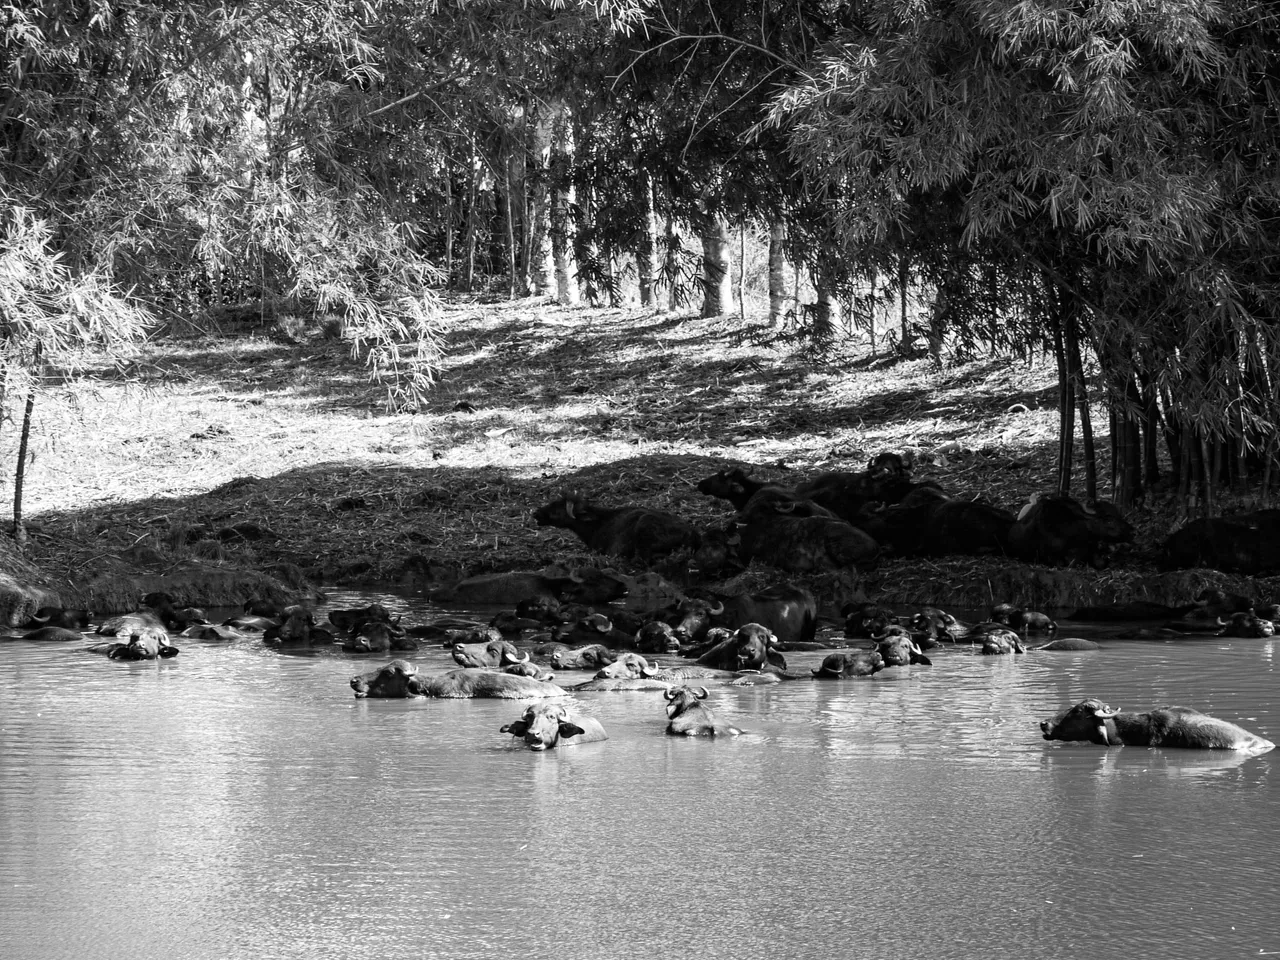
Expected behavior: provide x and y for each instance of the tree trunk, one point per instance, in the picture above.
(717, 282)
(1081, 392)
(450, 219)
(562, 193)
(469, 241)
(904, 274)
(1066, 403)
(777, 274)
(20, 472)
(647, 242)
(541, 262)
(742, 272)
(509, 215)
(826, 312)
(672, 266)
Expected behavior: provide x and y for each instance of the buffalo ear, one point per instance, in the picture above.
(517, 729)
(568, 729)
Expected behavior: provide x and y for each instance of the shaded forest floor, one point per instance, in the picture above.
(255, 450)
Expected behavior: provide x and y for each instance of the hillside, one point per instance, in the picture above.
(268, 452)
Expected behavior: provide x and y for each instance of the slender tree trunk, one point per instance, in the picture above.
(472, 213)
(1078, 386)
(1066, 402)
(777, 275)
(672, 266)
(647, 242)
(826, 312)
(742, 271)
(541, 261)
(904, 274)
(450, 219)
(20, 472)
(509, 211)
(871, 315)
(717, 281)
(562, 225)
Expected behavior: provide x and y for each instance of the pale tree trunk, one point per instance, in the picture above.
(777, 275)
(590, 249)
(673, 292)
(541, 266)
(742, 272)
(647, 241)
(717, 281)
(826, 312)
(562, 201)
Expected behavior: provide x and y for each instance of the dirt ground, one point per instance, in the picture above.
(261, 451)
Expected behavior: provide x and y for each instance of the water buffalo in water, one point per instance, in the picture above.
(1056, 529)
(527, 669)
(352, 619)
(53, 633)
(586, 585)
(1068, 645)
(657, 637)
(298, 629)
(850, 663)
(1024, 621)
(899, 651)
(1001, 641)
(1244, 543)
(545, 726)
(375, 636)
(592, 656)
(1094, 721)
(1248, 625)
(628, 666)
(620, 531)
(61, 617)
(750, 647)
(495, 653)
(146, 644)
(789, 611)
(689, 716)
(400, 678)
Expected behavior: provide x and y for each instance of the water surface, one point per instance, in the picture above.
(236, 802)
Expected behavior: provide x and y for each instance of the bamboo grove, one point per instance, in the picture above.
(1093, 179)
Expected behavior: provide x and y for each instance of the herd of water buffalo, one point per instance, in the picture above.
(553, 623)
(841, 520)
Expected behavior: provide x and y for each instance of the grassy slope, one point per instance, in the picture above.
(625, 406)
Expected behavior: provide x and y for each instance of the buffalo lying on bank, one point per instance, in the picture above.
(585, 585)
(1245, 543)
(1056, 529)
(544, 726)
(1094, 721)
(803, 544)
(400, 678)
(620, 531)
(688, 714)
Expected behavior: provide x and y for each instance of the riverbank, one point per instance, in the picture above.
(270, 456)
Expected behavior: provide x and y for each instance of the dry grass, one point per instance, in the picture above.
(139, 469)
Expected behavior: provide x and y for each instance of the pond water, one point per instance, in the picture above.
(236, 802)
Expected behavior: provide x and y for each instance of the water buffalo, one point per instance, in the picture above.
(495, 653)
(137, 622)
(264, 608)
(298, 629)
(1248, 625)
(1244, 543)
(620, 531)
(899, 651)
(657, 637)
(803, 544)
(352, 619)
(628, 666)
(145, 645)
(586, 585)
(748, 648)
(593, 628)
(375, 636)
(850, 663)
(1056, 529)
(547, 725)
(1001, 641)
(937, 525)
(212, 633)
(790, 612)
(400, 678)
(592, 656)
(1068, 645)
(53, 633)
(689, 716)
(1024, 621)
(692, 617)
(735, 486)
(1094, 721)
(865, 620)
(61, 617)
(527, 669)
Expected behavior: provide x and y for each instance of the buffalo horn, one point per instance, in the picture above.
(702, 693)
(716, 610)
(1105, 713)
(668, 695)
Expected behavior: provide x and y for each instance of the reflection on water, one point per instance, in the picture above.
(235, 802)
